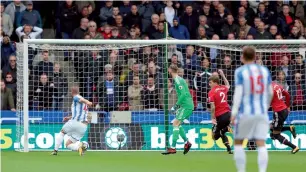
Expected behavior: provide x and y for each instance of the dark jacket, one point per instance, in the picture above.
(227, 29)
(264, 35)
(284, 28)
(69, 19)
(131, 19)
(218, 22)
(60, 83)
(7, 99)
(44, 67)
(43, 95)
(78, 33)
(292, 90)
(192, 23)
(30, 17)
(6, 51)
(180, 31)
(102, 94)
(149, 98)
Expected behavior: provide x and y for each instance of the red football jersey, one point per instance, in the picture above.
(278, 103)
(218, 95)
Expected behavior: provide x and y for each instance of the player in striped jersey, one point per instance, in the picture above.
(77, 123)
(252, 98)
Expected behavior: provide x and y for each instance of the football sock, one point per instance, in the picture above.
(225, 142)
(240, 159)
(74, 146)
(284, 141)
(175, 137)
(183, 134)
(262, 159)
(59, 140)
(285, 129)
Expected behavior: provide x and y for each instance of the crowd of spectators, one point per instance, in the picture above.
(132, 78)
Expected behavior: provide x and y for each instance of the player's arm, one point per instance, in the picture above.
(85, 101)
(212, 112)
(67, 118)
(287, 97)
(237, 93)
(224, 78)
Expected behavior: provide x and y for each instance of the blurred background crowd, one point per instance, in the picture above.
(133, 78)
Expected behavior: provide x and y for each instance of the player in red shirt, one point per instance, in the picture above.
(220, 110)
(281, 111)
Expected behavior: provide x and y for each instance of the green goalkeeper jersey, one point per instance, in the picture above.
(184, 97)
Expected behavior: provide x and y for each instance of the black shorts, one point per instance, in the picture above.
(279, 119)
(223, 121)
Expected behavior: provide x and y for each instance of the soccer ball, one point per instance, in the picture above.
(85, 144)
(114, 137)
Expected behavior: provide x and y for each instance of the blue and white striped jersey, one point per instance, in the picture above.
(255, 83)
(79, 110)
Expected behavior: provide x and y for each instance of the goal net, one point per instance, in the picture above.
(128, 83)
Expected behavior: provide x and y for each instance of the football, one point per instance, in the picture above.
(85, 144)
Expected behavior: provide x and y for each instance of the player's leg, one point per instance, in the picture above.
(58, 142)
(260, 134)
(243, 127)
(182, 115)
(225, 122)
(277, 127)
(175, 137)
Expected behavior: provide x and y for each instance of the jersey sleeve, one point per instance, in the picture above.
(225, 88)
(76, 98)
(211, 97)
(238, 77)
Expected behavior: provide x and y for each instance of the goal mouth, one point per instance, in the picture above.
(117, 76)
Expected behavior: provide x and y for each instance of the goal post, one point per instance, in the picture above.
(136, 114)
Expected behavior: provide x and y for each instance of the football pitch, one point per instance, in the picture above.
(144, 162)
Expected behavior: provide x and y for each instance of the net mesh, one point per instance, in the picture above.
(131, 92)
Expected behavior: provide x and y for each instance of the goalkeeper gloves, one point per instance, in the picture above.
(174, 109)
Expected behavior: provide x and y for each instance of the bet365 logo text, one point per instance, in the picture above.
(201, 139)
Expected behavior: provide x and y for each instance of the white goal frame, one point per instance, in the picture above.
(26, 43)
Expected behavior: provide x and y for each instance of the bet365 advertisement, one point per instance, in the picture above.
(201, 138)
(40, 136)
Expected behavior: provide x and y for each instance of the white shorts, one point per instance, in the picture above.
(252, 127)
(75, 130)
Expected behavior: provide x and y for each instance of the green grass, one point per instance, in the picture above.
(144, 162)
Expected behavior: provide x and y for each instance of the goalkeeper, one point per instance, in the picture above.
(183, 109)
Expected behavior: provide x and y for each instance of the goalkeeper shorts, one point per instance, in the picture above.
(182, 114)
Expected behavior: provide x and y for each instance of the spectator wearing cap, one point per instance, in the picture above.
(262, 33)
(106, 12)
(219, 19)
(297, 9)
(295, 33)
(111, 20)
(79, 32)
(29, 31)
(29, 16)
(248, 30)
(229, 27)
(11, 68)
(203, 23)
(81, 4)
(179, 31)
(7, 49)
(146, 10)
(169, 12)
(6, 22)
(285, 20)
(92, 30)
(160, 34)
(14, 10)
(125, 7)
(134, 94)
(190, 19)
(7, 98)
(151, 29)
(298, 92)
(68, 18)
(132, 18)
(44, 66)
